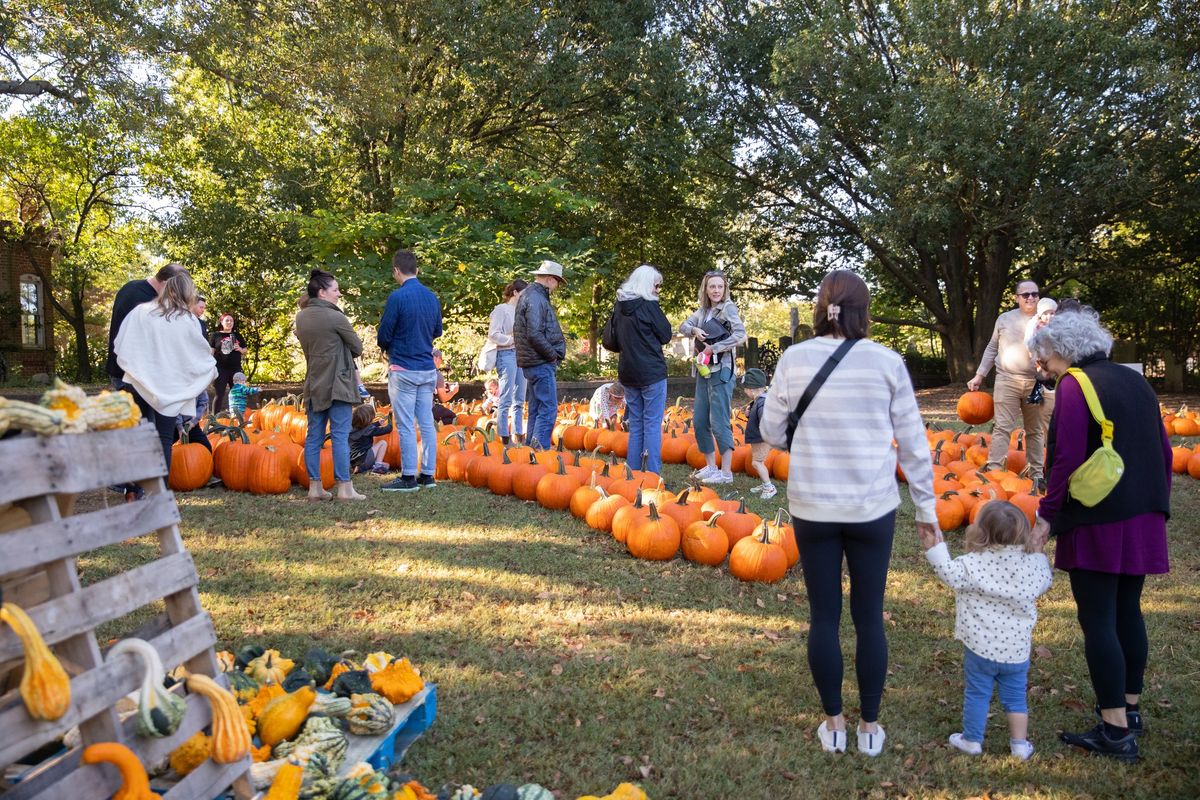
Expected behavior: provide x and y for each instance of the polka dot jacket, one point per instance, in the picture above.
(996, 594)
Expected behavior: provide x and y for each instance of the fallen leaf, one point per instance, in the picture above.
(789, 776)
(1043, 652)
(544, 595)
(660, 692)
(480, 719)
(704, 656)
(758, 602)
(557, 669)
(645, 770)
(374, 512)
(1164, 703)
(468, 596)
(1074, 705)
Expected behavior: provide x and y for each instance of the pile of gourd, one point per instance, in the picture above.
(302, 713)
(68, 409)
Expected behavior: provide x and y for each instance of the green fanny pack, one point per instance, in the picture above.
(1096, 477)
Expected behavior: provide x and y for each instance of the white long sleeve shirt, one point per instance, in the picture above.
(842, 465)
(995, 593)
(1008, 349)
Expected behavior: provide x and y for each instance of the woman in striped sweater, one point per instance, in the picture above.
(842, 491)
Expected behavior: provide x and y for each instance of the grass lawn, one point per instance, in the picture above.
(562, 660)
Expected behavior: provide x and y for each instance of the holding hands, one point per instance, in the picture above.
(929, 534)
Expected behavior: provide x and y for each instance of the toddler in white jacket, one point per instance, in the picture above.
(996, 585)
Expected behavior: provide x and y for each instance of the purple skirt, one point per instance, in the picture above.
(1135, 546)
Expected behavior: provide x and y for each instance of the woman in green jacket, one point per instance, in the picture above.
(330, 391)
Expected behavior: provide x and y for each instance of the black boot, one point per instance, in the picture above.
(1124, 748)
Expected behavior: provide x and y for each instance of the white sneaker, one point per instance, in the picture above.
(1022, 750)
(831, 741)
(768, 491)
(704, 473)
(756, 489)
(970, 748)
(871, 744)
(717, 478)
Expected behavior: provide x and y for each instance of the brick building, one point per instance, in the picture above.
(26, 315)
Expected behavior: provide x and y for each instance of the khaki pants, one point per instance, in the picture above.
(1013, 412)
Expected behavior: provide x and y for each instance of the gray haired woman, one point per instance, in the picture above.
(1108, 548)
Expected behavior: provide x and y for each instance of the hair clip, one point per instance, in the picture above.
(833, 311)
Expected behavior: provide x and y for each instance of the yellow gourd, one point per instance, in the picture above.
(398, 681)
(230, 738)
(286, 785)
(285, 716)
(191, 754)
(626, 791)
(135, 783)
(270, 667)
(19, 415)
(266, 694)
(45, 687)
(111, 410)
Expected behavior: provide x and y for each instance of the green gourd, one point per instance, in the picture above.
(370, 714)
(355, 681)
(296, 678)
(330, 705)
(159, 712)
(248, 654)
(318, 663)
(532, 791)
(500, 791)
(324, 736)
(244, 687)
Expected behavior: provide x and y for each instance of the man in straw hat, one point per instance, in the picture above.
(540, 348)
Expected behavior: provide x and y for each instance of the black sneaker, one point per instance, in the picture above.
(426, 481)
(1096, 741)
(405, 483)
(1134, 718)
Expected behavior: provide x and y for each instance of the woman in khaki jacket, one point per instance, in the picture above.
(330, 391)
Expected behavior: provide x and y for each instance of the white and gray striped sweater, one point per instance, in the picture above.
(843, 462)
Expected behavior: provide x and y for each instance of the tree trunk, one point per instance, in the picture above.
(594, 321)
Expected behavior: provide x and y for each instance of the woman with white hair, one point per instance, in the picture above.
(1107, 542)
(637, 332)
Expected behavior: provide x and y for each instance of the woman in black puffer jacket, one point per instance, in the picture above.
(637, 331)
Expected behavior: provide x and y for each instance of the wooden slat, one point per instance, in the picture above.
(102, 602)
(99, 689)
(57, 539)
(73, 463)
(207, 781)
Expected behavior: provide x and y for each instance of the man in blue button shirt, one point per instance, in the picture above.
(412, 319)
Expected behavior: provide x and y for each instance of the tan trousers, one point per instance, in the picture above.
(1013, 412)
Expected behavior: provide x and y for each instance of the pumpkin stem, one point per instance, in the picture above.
(653, 512)
(712, 521)
(778, 516)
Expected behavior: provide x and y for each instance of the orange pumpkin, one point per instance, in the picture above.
(653, 537)
(705, 542)
(191, 465)
(269, 472)
(600, 514)
(626, 516)
(975, 408)
(554, 489)
(739, 523)
(782, 534)
(755, 558)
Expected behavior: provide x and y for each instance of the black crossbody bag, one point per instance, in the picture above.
(811, 390)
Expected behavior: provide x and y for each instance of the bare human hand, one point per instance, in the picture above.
(1039, 535)
(929, 535)
(975, 383)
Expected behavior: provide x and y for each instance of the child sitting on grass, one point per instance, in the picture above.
(754, 382)
(996, 586)
(240, 392)
(366, 454)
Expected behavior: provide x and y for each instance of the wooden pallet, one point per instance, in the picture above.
(38, 571)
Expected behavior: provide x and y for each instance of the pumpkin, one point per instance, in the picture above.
(354, 681)
(159, 712)
(230, 739)
(398, 681)
(526, 477)
(655, 538)
(191, 754)
(705, 543)
(782, 534)
(975, 408)
(264, 697)
(286, 785)
(270, 667)
(624, 517)
(135, 784)
(554, 489)
(232, 460)
(370, 714)
(583, 497)
(682, 510)
(269, 472)
(285, 716)
(950, 511)
(377, 661)
(738, 523)
(225, 660)
(191, 465)
(755, 558)
(500, 478)
(45, 688)
(599, 515)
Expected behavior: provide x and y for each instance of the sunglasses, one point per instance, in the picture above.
(1028, 295)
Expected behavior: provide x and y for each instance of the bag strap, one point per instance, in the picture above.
(1093, 401)
(811, 390)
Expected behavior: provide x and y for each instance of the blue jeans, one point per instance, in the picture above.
(543, 403)
(512, 393)
(714, 396)
(645, 407)
(338, 418)
(979, 676)
(411, 394)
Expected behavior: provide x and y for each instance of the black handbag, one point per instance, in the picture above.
(810, 391)
(715, 330)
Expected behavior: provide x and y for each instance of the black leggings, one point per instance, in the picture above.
(221, 388)
(1109, 608)
(867, 547)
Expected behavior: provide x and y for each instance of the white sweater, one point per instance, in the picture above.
(843, 462)
(996, 592)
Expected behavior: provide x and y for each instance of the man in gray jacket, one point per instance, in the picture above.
(540, 348)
